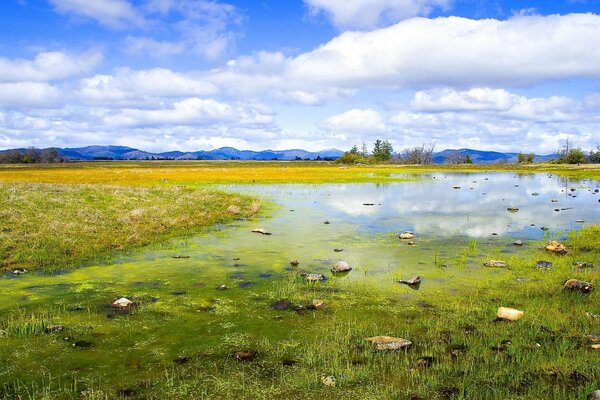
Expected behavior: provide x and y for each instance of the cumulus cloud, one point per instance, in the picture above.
(115, 14)
(365, 14)
(48, 66)
(357, 121)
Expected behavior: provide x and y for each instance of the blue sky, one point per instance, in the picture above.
(199, 74)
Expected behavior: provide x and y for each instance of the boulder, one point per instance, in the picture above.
(575, 285)
(341, 267)
(122, 304)
(407, 235)
(389, 343)
(495, 264)
(556, 247)
(509, 314)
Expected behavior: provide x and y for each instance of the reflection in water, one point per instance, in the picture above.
(432, 207)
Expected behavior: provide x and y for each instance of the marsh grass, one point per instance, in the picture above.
(53, 226)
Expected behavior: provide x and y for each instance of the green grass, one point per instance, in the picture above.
(53, 226)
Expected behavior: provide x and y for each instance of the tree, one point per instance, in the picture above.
(354, 150)
(417, 155)
(570, 155)
(382, 150)
(521, 158)
(456, 158)
(468, 159)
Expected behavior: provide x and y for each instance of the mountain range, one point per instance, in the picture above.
(90, 153)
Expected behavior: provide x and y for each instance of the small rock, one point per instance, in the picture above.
(326, 223)
(317, 304)
(495, 264)
(328, 381)
(222, 287)
(594, 337)
(556, 247)
(123, 303)
(554, 200)
(368, 204)
(574, 285)
(509, 314)
(596, 347)
(341, 267)
(411, 243)
(591, 315)
(543, 265)
(413, 283)
(513, 209)
(19, 271)
(180, 257)
(244, 355)
(583, 264)
(595, 395)
(580, 221)
(456, 187)
(535, 194)
(54, 328)
(338, 250)
(518, 243)
(389, 343)
(294, 263)
(315, 277)
(261, 231)
(544, 228)
(407, 235)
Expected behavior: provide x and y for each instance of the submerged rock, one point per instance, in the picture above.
(341, 267)
(315, 277)
(556, 247)
(512, 209)
(509, 314)
(389, 343)
(543, 264)
(575, 285)
(261, 231)
(407, 235)
(495, 264)
(413, 283)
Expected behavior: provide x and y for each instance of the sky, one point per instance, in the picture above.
(163, 75)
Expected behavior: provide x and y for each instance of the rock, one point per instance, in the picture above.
(315, 277)
(122, 304)
(535, 194)
(580, 221)
(233, 209)
(583, 264)
(181, 257)
(294, 263)
(326, 223)
(413, 283)
(591, 315)
(222, 287)
(518, 243)
(456, 187)
(495, 264)
(328, 380)
(281, 305)
(244, 355)
(595, 395)
(594, 337)
(341, 267)
(338, 250)
(411, 243)
(513, 209)
(261, 231)
(407, 235)
(54, 328)
(554, 200)
(82, 344)
(543, 265)
(544, 228)
(389, 343)
(574, 285)
(19, 271)
(317, 304)
(509, 314)
(596, 347)
(556, 247)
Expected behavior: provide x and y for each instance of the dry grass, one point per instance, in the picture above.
(202, 172)
(53, 226)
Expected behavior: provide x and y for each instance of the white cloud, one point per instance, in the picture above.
(365, 14)
(47, 66)
(114, 14)
(356, 121)
(29, 94)
(453, 51)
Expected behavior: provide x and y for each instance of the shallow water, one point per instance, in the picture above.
(184, 312)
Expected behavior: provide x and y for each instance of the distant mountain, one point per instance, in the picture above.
(89, 153)
(485, 157)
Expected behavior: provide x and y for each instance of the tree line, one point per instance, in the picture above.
(31, 156)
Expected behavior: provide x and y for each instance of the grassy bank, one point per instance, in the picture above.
(53, 226)
(223, 172)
